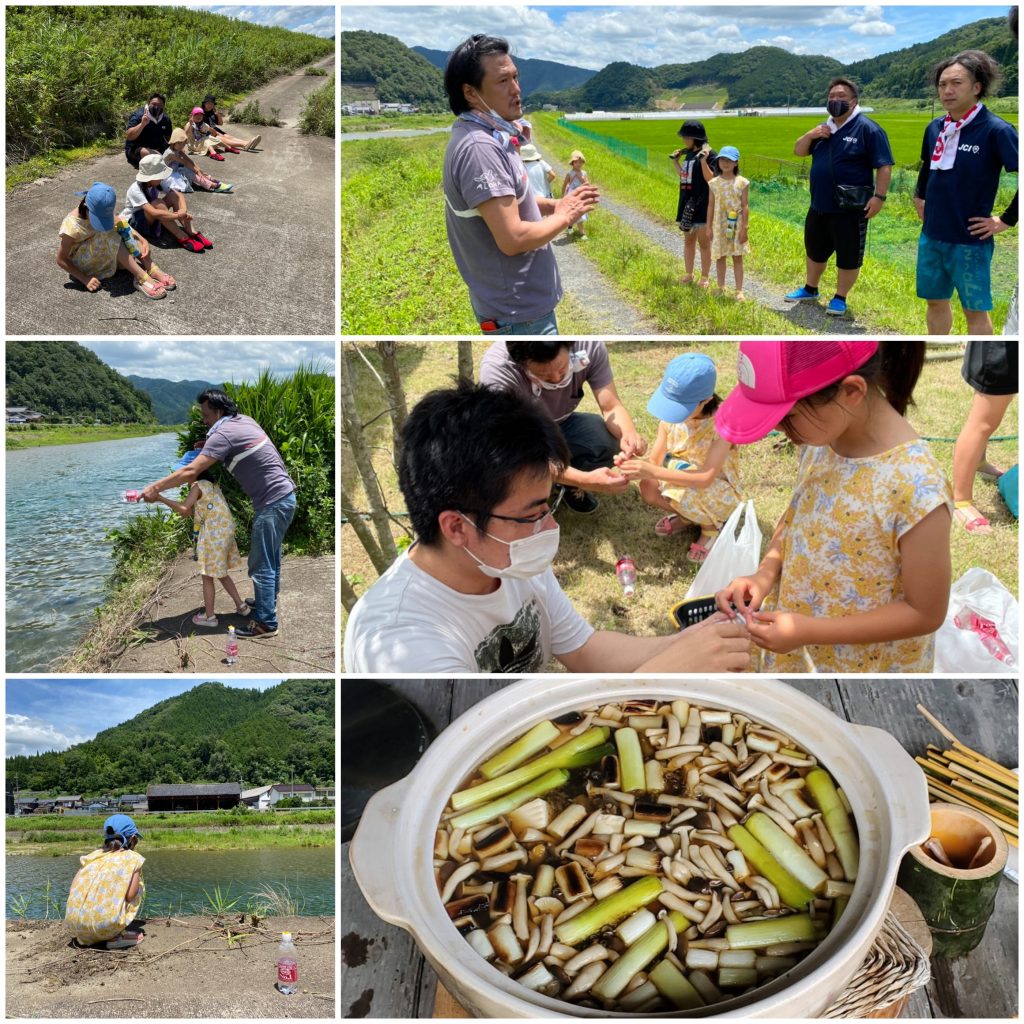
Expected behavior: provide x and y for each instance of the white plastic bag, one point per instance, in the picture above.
(734, 554)
(961, 650)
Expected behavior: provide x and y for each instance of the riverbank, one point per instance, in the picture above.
(40, 434)
(185, 967)
(57, 834)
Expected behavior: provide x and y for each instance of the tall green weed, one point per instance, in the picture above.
(318, 114)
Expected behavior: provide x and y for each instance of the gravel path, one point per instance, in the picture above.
(808, 316)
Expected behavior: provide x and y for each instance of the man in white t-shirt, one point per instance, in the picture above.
(476, 592)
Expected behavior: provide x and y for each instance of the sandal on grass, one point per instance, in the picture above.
(989, 472)
(150, 287)
(697, 552)
(668, 525)
(686, 279)
(705, 282)
(972, 520)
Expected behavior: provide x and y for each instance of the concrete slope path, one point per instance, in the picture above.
(271, 268)
(171, 643)
(804, 315)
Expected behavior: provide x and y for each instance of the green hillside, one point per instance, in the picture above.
(212, 733)
(64, 380)
(75, 73)
(172, 400)
(534, 75)
(397, 73)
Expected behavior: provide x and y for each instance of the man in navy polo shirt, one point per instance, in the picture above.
(962, 155)
(149, 131)
(851, 167)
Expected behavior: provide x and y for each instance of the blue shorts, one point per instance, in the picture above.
(943, 266)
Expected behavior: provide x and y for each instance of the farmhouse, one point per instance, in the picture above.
(194, 797)
(22, 414)
(258, 798)
(302, 790)
(67, 802)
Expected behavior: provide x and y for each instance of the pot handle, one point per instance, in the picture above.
(371, 852)
(911, 817)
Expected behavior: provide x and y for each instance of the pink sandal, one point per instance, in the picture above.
(668, 525)
(151, 288)
(697, 552)
(979, 524)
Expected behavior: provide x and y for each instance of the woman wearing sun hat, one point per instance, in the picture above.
(107, 891)
(153, 206)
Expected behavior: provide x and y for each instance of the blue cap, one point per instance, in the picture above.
(120, 826)
(100, 201)
(190, 456)
(730, 153)
(689, 380)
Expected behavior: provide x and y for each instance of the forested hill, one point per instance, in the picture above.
(397, 74)
(65, 380)
(534, 75)
(172, 399)
(212, 733)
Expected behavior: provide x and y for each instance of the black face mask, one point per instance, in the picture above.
(837, 107)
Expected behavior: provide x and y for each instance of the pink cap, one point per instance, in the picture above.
(197, 110)
(775, 375)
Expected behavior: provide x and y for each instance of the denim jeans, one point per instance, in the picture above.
(268, 530)
(590, 443)
(543, 325)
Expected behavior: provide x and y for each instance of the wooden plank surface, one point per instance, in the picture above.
(384, 975)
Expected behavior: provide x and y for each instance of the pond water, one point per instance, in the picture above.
(61, 500)
(176, 879)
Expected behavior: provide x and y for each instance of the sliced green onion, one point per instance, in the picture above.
(611, 984)
(792, 892)
(631, 761)
(510, 801)
(516, 753)
(557, 758)
(756, 934)
(822, 789)
(736, 977)
(674, 986)
(633, 927)
(789, 854)
(610, 910)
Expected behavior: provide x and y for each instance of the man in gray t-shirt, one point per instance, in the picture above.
(499, 232)
(248, 454)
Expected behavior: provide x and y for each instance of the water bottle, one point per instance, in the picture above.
(232, 650)
(625, 572)
(287, 966)
(731, 217)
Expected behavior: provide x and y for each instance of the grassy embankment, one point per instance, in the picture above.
(57, 835)
(398, 275)
(625, 525)
(37, 435)
(70, 90)
(317, 116)
(297, 414)
(387, 122)
(886, 293)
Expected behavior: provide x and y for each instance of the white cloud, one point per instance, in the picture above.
(873, 28)
(26, 735)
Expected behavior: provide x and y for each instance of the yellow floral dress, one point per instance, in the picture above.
(714, 504)
(97, 910)
(94, 252)
(216, 550)
(840, 550)
(728, 196)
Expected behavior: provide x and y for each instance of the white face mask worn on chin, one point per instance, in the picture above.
(577, 361)
(528, 557)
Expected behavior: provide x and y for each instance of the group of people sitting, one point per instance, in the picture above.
(96, 241)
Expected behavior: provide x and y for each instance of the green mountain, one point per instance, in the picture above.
(172, 399)
(534, 75)
(397, 74)
(64, 380)
(211, 733)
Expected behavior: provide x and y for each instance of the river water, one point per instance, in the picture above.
(176, 879)
(61, 500)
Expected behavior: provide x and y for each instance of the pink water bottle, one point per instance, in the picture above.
(625, 572)
(231, 652)
(287, 966)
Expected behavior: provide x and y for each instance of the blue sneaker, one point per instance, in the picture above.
(802, 295)
(836, 307)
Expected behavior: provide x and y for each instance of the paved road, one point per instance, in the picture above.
(271, 270)
(305, 643)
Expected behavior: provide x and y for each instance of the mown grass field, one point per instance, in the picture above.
(37, 435)
(585, 565)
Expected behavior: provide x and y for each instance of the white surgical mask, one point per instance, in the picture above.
(577, 361)
(528, 557)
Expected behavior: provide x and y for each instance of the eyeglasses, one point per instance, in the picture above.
(534, 521)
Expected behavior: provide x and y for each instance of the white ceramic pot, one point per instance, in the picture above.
(391, 853)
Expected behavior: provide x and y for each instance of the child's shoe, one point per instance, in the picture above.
(192, 244)
(214, 156)
(253, 143)
(203, 240)
(243, 609)
(207, 621)
(232, 149)
(224, 187)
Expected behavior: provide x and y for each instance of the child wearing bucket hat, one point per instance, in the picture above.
(858, 570)
(151, 206)
(728, 216)
(107, 891)
(200, 138)
(573, 180)
(186, 175)
(692, 473)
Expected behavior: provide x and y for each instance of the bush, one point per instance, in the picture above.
(318, 113)
(147, 541)
(317, 72)
(252, 113)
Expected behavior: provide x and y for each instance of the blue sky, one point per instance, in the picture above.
(52, 714)
(592, 37)
(316, 21)
(215, 361)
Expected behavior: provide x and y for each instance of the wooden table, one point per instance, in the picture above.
(384, 975)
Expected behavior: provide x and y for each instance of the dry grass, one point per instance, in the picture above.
(590, 545)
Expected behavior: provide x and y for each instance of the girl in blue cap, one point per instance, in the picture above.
(693, 474)
(728, 216)
(107, 891)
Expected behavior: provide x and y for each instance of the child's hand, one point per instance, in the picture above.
(745, 592)
(780, 632)
(636, 469)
